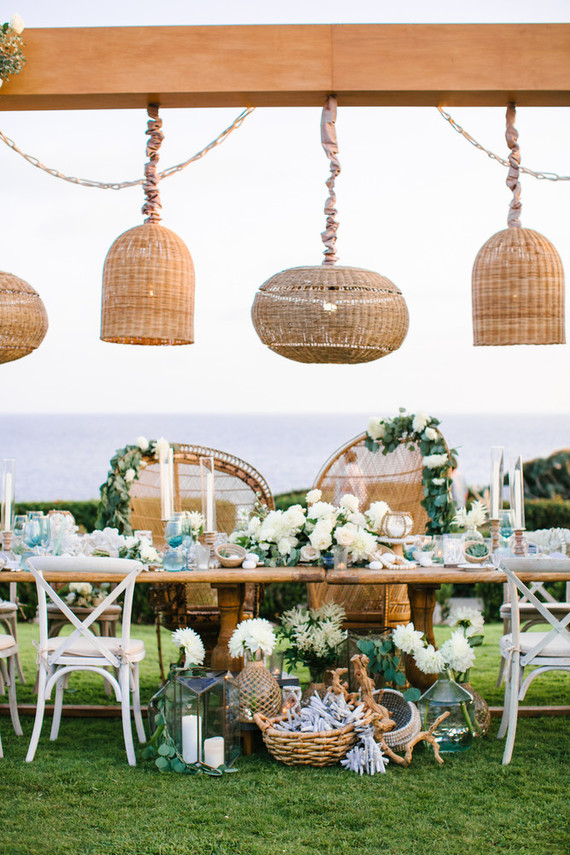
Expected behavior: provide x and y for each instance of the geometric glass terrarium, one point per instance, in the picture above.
(197, 711)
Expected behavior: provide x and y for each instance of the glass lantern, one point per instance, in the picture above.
(200, 710)
(454, 733)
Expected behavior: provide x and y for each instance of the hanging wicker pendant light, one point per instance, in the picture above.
(518, 280)
(23, 318)
(328, 314)
(148, 276)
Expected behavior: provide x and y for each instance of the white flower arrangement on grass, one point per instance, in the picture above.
(455, 655)
(254, 638)
(191, 645)
(313, 635)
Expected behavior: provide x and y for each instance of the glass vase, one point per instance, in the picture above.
(454, 733)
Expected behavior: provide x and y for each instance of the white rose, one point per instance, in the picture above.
(419, 422)
(376, 513)
(363, 545)
(321, 509)
(16, 24)
(130, 475)
(142, 443)
(162, 447)
(357, 519)
(320, 538)
(376, 428)
(309, 553)
(345, 534)
(349, 502)
(436, 461)
(313, 496)
(430, 433)
(285, 545)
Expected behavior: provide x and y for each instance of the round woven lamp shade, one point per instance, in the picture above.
(330, 314)
(23, 318)
(148, 288)
(518, 290)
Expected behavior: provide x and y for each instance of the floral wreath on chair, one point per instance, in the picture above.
(421, 431)
(115, 503)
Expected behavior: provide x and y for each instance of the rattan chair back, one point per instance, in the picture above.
(395, 478)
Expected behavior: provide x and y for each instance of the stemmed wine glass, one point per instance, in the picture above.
(506, 524)
(32, 532)
(187, 540)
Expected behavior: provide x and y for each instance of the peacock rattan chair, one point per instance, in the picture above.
(395, 478)
(237, 487)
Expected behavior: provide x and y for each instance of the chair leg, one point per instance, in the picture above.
(513, 708)
(40, 709)
(57, 708)
(124, 682)
(12, 698)
(137, 703)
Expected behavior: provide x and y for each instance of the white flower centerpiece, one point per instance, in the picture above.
(474, 548)
(304, 534)
(259, 690)
(86, 595)
(314, 636)
(452, 662)
(192, 651)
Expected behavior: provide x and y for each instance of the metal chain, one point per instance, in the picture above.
(86, 182)
(543, 176)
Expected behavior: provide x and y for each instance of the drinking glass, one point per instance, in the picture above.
(32, 532)
(174, 532)
(45, 531)
(506, 524)
(19, 523)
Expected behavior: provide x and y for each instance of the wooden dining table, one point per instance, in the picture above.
(422, 583)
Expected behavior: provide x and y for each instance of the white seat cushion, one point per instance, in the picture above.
(83, 647)
(6, 606)
(555, 648)
(6, 641)
(529, 609)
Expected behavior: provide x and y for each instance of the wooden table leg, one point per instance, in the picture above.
(230, 603)
(422, 603)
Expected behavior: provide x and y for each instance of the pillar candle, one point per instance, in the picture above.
(210, 525)
(190, 738)
(165, 483)
(7, 501)
(496, 486)
(214, 751)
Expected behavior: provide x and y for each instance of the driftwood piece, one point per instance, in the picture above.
(382, 721)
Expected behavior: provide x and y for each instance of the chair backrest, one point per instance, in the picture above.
(237, 487)
(558, 626)
(395, 478)
(129, 569)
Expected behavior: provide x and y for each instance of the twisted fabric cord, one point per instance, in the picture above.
(152, 205)
(513, 182)
(330, 145)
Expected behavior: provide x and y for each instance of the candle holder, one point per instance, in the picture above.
(6, 537)
(495, 534)
(519, 544)
(8, 494)
(198, 711)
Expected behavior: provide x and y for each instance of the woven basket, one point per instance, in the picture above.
(148, 289)
(518, 290)
(23, 318)
(259, 691)
(406, 716)
(330, 314)
(306, 749)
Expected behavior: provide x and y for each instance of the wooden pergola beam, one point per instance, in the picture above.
(471, 65)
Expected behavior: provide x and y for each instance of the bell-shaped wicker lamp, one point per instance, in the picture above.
(23, 318)
(327, 313)
(518, 280)
(148, 276)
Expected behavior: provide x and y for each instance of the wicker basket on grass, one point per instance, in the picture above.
(324, 748)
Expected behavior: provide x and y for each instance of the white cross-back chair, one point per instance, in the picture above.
(544, 651)
(529, 615)
(85, 651)
(8, 661)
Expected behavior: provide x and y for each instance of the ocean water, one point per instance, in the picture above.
(66, 457)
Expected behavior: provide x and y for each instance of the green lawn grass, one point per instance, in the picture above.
(79, 796)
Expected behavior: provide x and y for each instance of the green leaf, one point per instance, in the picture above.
(177, 765)
(367, 647)
(399, 678)
(412, 695)
(148, 752)
(166, 750)
(162, 763)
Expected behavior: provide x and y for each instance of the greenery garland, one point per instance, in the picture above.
(421, 431)
(115, 503)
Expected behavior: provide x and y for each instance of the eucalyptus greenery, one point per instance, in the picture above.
(115, 503)
(435, 479)
(384, 659)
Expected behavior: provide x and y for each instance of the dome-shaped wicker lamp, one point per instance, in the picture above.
(326, 313)
(23, 318)
(148, 276)
(518, 280)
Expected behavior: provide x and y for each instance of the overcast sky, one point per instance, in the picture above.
(415, 201)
